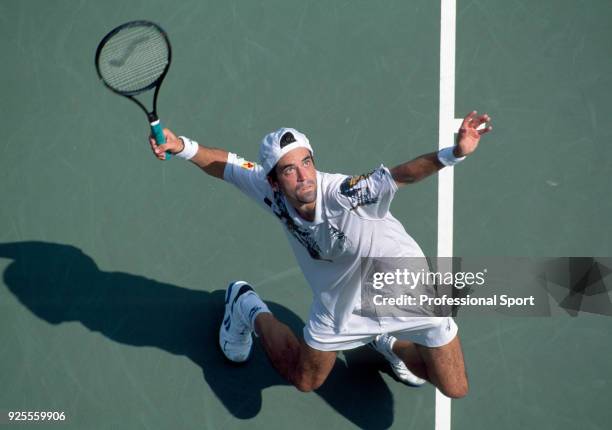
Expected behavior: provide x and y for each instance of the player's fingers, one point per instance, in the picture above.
(153, 144)
(477, 121)
(468, 118)
(485, 130)
(162, 148)
(159, 153)
(169, 134)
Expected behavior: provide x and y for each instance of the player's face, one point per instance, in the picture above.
(297, 177)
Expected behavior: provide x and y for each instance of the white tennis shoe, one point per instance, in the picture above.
(235, 337)
(383, 344)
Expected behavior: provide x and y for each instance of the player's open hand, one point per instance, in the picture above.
(173, 144)
(470, 132)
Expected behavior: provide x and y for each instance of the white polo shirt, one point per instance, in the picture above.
(352, 220)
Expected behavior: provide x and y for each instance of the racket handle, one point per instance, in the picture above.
(158, 133)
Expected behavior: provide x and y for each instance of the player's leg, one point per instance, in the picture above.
(305, 367)
(411, 357)
(446, 368)
(245, 312)
(388, 346)
(443, 366)
(430, 348)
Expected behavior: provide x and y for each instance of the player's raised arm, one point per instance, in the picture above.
(467, 141)
(414, 170)
(211, 160)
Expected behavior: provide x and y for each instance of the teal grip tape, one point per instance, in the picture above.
(158, 133)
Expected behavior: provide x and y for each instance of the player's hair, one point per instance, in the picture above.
(286, 139)
(272, 175)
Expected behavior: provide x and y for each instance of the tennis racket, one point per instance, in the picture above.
(133, 59)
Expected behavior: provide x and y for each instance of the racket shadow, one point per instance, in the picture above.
(59, 283)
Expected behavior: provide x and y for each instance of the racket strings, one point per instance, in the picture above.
(136, 78)
(133, 59)
(139, 71)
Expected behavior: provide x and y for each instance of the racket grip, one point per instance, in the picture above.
(158, 133)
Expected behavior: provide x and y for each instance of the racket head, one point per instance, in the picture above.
(133, 57)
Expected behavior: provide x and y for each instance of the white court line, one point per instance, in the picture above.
(457, 123)
(448, 9)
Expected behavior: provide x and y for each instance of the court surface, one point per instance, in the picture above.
(113, 264)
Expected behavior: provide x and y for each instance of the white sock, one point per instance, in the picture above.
(390, 343)
(251, 306)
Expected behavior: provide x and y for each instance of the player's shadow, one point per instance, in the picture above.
(59, 283)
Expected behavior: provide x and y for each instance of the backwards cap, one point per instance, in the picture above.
(276, 144)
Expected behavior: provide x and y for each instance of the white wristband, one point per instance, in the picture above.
(190, 148)
(447, 157)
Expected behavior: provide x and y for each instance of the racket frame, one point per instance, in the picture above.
(156, 127)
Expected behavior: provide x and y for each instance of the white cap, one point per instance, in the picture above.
(270, 150)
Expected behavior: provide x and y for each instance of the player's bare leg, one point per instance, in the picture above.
(245, 312)
(385, 344)
(304, 367)
(443, 366)
(411, 357)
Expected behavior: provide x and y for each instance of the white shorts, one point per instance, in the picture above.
(359, 331)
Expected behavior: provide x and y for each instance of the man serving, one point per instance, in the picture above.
(331, 222)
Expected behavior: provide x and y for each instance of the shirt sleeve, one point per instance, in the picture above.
(247, 176)
(368, 195)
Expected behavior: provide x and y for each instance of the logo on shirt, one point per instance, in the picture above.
(339, 236)
(302, 235)
(248, 165)
(356, 189)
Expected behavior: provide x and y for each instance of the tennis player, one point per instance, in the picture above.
(331, 222)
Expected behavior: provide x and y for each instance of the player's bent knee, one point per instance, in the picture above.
(308, 384)
(307, 387)
(304, 387)
(455, 392)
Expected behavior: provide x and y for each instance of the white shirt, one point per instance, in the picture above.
(352, 220)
